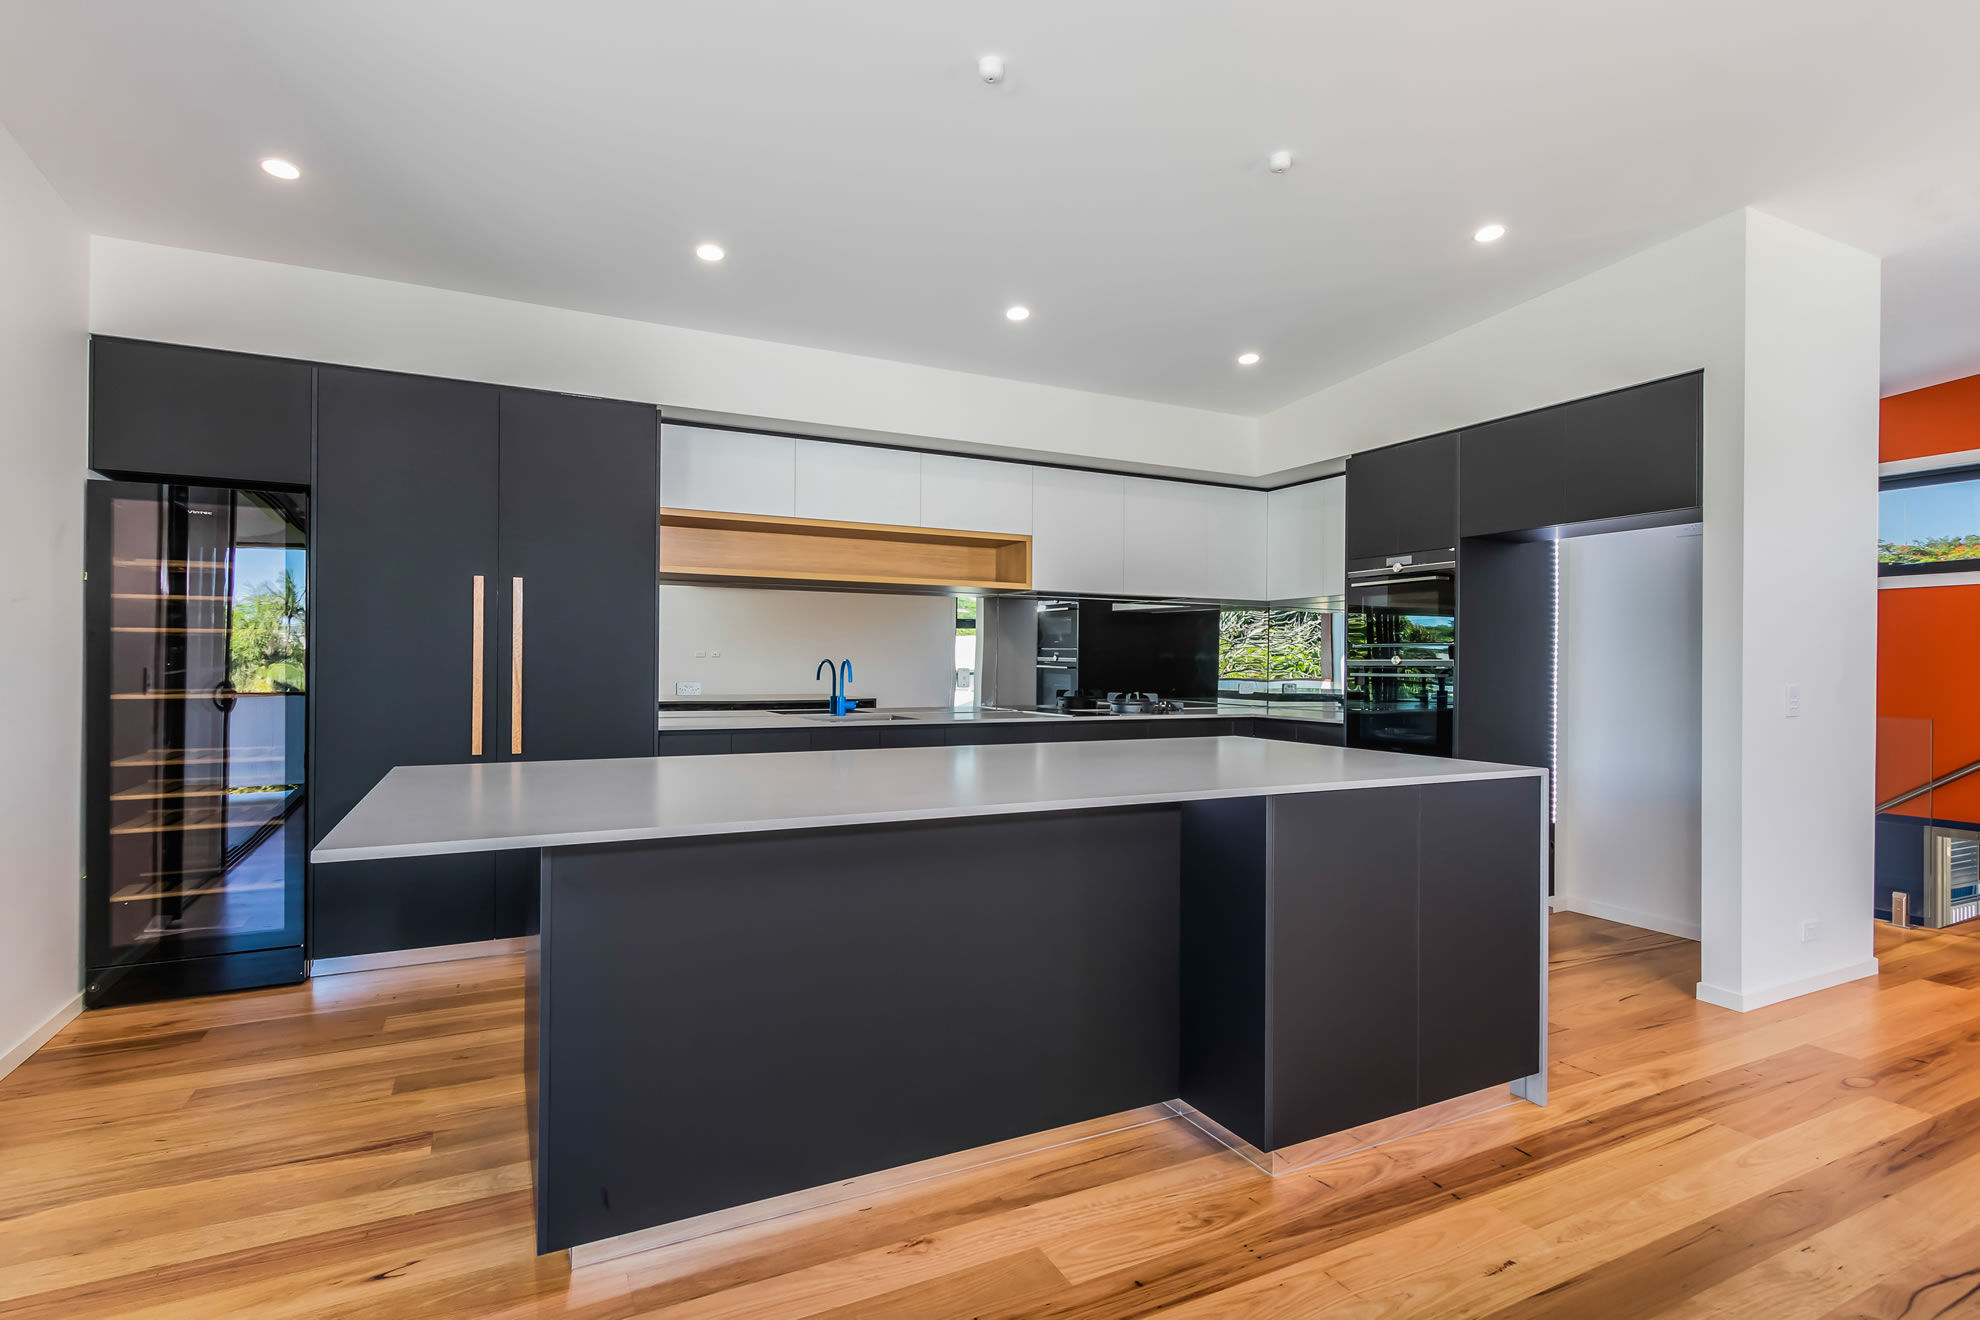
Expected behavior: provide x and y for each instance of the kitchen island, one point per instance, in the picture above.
(765, 973)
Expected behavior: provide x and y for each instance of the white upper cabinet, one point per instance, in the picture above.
(1308, 549)
(858, 483)
(727, 471)
(1164, 543)
(1236, 543)
(1077, 531)
(975, 494)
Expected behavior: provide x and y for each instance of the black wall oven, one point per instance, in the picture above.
(1401, 677)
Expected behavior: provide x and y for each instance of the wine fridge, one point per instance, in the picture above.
(196, 603)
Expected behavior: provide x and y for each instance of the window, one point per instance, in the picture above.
(1929, 523)
(1281, 653)
(966, 634)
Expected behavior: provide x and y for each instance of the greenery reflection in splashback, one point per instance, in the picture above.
(1263, 645)
(267, 645)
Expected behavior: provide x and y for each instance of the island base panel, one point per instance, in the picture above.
(1353, 956)
(726, 1019)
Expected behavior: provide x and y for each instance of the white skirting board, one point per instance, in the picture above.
(41, 1035)
(1627, 916)
(438, 953)
(1748, 1000)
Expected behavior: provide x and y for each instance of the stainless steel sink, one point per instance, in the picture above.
(861, 717)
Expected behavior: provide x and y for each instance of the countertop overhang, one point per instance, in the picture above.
(433, 810)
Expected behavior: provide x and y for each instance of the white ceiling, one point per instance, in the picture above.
(876, 197)
(1932, 311)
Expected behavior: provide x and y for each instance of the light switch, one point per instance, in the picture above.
(1793, 700)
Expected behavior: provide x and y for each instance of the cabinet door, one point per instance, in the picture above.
(1478, 874)
(1237, 543)
(196, 414)
(858, 483)
(1627, 454)
(405, 519)
(1403, 498)
(1163, 547)
(1077, 529)
(1514, 474)
(1306, 558)
(1633, 452)
(727, 471)
(1343, 965)
(975, 494)
(578, 532)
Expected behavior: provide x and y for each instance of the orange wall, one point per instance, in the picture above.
(1942, 419)
(1928, 638)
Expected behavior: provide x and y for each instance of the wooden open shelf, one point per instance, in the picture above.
(203, 756)
(159, 789)
(151, 892)
(180, 694)
(698, 544)
(237, 814)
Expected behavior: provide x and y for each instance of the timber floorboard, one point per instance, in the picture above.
(355, 1146)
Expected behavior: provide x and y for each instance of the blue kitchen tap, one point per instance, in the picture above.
(842, 675)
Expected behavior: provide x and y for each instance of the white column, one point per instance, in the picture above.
(1788, 691)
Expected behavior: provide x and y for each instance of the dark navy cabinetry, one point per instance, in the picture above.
(1397, 928)
(485, 577)
(1629, 455)
(194, 414)
(1403, 498)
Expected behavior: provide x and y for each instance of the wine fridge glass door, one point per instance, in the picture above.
(198, 637)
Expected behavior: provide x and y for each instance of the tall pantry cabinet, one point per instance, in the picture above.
(485, 591)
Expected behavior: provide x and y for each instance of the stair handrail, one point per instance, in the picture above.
(1929, 785)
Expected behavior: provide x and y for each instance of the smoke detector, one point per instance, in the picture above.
(1279, 162)
(991, 68)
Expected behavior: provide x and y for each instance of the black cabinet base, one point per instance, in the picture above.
(727, 1019)
(142, 983)
(914, 990)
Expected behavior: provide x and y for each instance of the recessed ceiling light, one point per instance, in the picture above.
(1016, 313)
(1247, 359)
(710, 252)
(1490, 234)
(280, 168)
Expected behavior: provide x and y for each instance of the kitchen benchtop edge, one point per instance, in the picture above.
(435, 810)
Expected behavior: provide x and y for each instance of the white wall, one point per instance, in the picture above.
(1673, 308)
(151, 292)
(1784, 325)
(902, 648)
(1626, 845)
(44, 291)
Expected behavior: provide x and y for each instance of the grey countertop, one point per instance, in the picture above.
(718, 721)
(428, 810)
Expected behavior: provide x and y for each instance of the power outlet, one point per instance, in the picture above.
(687, 689)
(1811, 931)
